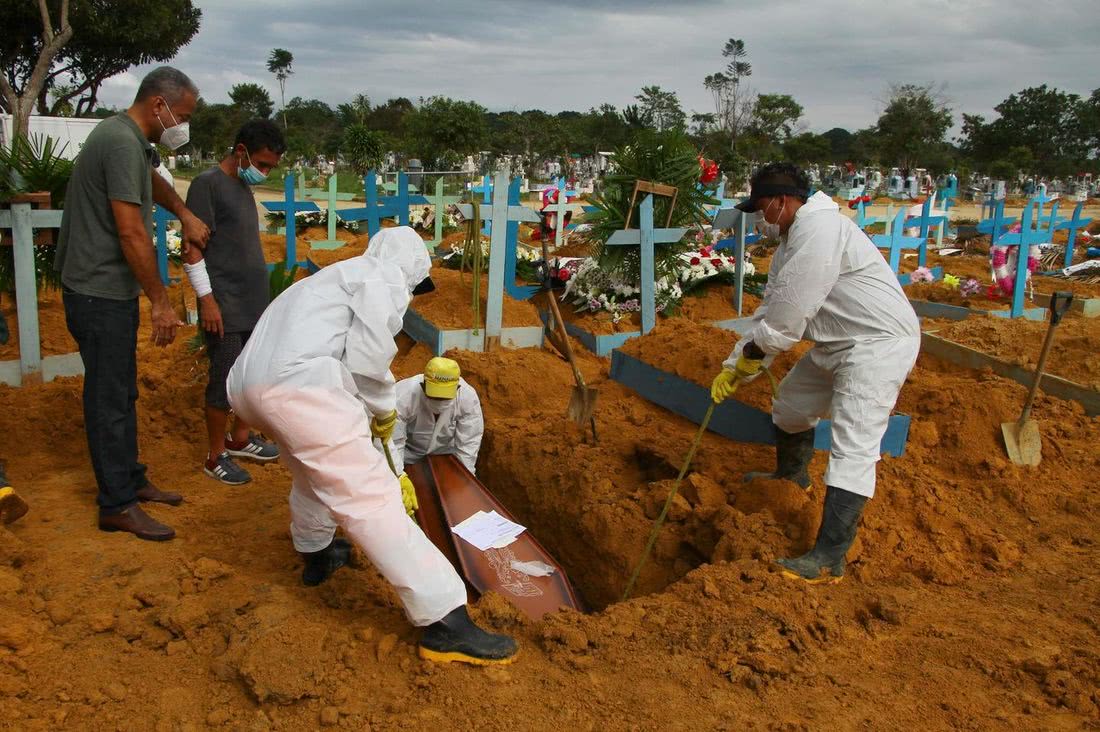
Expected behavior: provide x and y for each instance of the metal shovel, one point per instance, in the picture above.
(582, 399)
(1022, 436)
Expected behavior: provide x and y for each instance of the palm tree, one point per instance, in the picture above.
(279, 63)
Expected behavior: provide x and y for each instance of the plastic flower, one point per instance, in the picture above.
(951, 281)
(921, 274)
(970, 287)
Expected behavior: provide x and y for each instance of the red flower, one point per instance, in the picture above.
(563, 275)
(695, 260)
(716, 262)
(731, 260)
(708, 170)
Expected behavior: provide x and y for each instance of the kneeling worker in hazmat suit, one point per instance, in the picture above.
(829, 284)
(316, 364)
(438, 413)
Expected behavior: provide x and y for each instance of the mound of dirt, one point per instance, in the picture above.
(450, 305)
(1073, 353)
(695, 352)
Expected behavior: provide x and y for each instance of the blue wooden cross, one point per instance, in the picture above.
(440, 202)
(863, 221)
(289, 207)
(740, 241)
(1071, 227)
(925, 222)
(486, 191)
(560, 209)
(161, 218)
(646, 237)
(896, 241)
(1027, 237)
(996, 224)
(331, 242)
(380, 207)
(502, 212)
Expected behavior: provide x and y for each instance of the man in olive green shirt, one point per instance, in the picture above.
(106, 258)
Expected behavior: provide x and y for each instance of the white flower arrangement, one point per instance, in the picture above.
(593, 289)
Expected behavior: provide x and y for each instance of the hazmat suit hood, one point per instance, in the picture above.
(403, 263)
(817, 202)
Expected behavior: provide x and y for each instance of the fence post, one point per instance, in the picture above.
(26, 294)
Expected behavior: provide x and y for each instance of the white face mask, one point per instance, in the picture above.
(176, 136)
(770, 230)
(438, 406)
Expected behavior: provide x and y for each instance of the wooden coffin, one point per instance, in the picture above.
(449, 494)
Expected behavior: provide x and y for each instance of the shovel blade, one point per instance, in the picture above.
(582, 403)
(1022, 442)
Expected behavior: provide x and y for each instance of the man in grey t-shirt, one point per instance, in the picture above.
(106, 258)
(230, 277)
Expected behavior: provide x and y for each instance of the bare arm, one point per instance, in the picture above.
(195, 232)
(137, 247)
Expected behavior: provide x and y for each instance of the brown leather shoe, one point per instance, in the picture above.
(138, 523)
(151, 494)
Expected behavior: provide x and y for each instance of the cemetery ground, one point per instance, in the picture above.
(970, 600)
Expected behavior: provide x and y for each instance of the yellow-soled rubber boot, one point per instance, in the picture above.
(12, 507)
(456, 638)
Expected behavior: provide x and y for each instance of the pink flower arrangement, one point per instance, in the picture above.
(970, 287)
(921, 274)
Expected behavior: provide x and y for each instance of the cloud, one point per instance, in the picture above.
(835, 58)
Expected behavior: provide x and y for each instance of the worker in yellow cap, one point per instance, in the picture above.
(12, 506)
(438, 413)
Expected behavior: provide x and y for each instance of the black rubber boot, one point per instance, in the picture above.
(793, 452)
(456, 638)
(839, 522)
(321, 564)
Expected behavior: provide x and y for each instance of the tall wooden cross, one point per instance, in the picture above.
(924, 223)
(896, 241)
(731, 218)
(1071, 226)
(500, 213)
(645, 237)
(161, 218)
(1027, 237)
(560, 209)
(290, 208)
(380, 207)
(864, 221)
(486, 191)
(996, 224)
(440, 204)
(333, 196)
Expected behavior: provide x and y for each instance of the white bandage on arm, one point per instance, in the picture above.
(199, 278)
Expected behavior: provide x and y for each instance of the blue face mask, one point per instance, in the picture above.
(250, 175)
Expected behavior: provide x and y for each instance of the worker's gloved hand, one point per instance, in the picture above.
(408, 494)
(724, 385)
(381, 426)
(746, 368)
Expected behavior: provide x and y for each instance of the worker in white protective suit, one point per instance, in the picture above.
(314, 370)
(438, 413)
(829, 284)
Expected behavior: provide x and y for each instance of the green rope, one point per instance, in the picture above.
(471, 255)
(668, 502)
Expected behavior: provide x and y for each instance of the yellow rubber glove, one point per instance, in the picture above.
(724, 385)
(381, 426)
(746, 367)
(726, 382)
(408, 494)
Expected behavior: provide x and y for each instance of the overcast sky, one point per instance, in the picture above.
(834, 58)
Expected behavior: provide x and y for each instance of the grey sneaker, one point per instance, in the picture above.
(224, 469)
(254, 448)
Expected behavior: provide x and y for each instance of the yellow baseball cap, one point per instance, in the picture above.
(441, 378)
